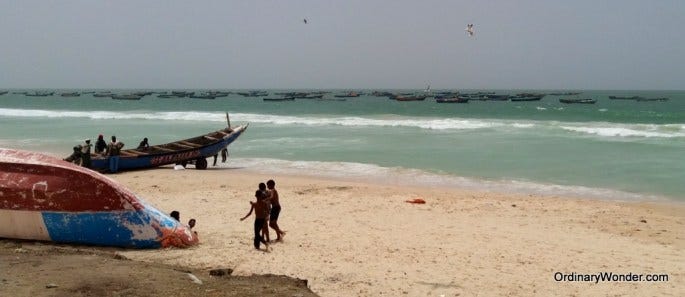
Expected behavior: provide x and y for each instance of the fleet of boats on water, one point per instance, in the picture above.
(266, 96)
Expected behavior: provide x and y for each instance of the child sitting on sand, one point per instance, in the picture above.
(260, 208)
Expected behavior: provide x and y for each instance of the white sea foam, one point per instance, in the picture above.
(604, 129)
(403, 176)
(628, 130)
(423, 123)
(523, 125)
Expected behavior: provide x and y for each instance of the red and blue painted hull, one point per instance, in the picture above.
(45, 198)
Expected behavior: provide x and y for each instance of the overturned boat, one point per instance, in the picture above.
(194, 150)
(45, 198)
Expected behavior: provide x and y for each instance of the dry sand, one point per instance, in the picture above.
(46, 270)
(359, 239)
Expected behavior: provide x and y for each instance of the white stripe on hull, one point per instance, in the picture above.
(23, 224)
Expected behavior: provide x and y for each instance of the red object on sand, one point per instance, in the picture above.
(416, 201)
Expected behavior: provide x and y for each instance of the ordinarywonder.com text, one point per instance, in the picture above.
(609, 277)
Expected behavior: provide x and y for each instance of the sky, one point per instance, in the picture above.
(346, 44)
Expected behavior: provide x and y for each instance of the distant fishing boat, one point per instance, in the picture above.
(347, 95)
(494, 97)
(202, 96)
(70, 94)
(313, 96)
(279, 99)
(46, 198)
(410, 98)
(254, 94)
(452, 100)
(652, 99)
(578, 101)
(477, 96)
(624, 98)
(126, 97)
(527, 97)
(39, 94)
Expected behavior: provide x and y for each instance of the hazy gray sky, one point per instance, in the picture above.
(346, 44)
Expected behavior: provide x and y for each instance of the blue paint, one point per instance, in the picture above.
(104, 228)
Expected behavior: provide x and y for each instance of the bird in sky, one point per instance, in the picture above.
(469, 29)
(305, 21)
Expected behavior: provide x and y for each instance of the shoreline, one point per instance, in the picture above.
(414, 177)
(355, 238)
(448, 181)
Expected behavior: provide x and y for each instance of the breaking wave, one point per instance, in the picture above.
(602, 129)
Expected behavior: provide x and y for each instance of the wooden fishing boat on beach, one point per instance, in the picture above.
(192, 150)
(46, 198)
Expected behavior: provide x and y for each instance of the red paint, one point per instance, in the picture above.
(166, 159)
(38, 182)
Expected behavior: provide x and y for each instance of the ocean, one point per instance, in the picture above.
(614, 149)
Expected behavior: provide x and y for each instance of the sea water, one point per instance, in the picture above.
(614, 149)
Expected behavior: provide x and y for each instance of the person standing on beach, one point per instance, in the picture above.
(100, 145)
(275, 209)
(224, 155)
(260, 209)
(85, 154)
(113, 151)
(267, 200)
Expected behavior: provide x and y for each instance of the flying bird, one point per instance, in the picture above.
(469, 29)
(305, 21)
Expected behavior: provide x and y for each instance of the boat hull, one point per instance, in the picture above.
(45, 198)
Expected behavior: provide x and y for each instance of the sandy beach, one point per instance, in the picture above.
(352, 238)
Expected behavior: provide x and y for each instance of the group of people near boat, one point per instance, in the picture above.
(267, 208)
(81, 153)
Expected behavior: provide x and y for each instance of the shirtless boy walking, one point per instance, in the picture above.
(261, 211)
(275, 209)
